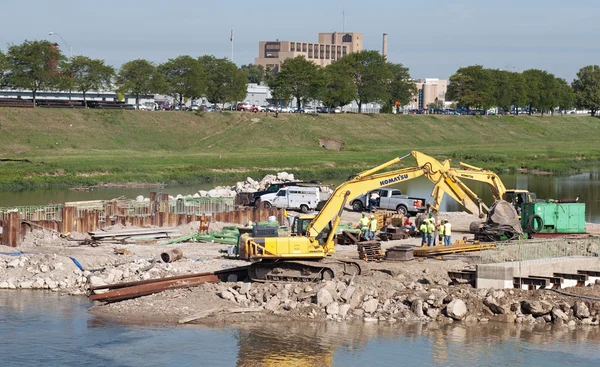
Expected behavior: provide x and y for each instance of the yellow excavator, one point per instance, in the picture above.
(302, 256)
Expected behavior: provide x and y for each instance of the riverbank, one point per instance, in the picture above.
(75, 148)
(413, 292)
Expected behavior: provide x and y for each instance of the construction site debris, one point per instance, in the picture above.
(172, 255)
(370, 251)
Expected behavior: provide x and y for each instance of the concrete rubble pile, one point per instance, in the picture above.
(402, 301)
(249, 185)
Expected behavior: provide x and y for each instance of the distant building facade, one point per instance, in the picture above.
(429, 91)
(330, 47)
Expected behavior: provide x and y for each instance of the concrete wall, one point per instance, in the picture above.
(501, 275)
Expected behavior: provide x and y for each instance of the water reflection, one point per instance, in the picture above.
(44, 328)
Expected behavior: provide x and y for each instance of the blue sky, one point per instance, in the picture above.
(433, 38)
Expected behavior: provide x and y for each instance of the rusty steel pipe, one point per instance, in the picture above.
(147, 289)
(171, 256)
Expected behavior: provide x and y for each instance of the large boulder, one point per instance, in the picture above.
(370, 306)
(558, 316)
(347, 294)
(457, 309)
(333, 308)
(226, 295)
(324, 298)
(581, 310)
(494, 306)
(417, 307)
(536, 308)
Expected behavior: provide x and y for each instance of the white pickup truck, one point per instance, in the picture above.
(390, 199)
(294, 197)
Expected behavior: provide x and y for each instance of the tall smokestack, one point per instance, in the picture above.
(384, 48)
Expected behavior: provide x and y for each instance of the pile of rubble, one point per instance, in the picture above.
(393, 300)
(250, 185)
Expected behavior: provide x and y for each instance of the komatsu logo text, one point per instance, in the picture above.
(392, 180)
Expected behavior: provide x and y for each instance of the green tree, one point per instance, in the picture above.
(298, 78)
(550, 91)
(370, 75)
(4, 70)
(534, 81)
(184, 78)
(33, 66)
(89, 74)
(472, 86)
(339, 88)
(587, 88)
(254, 73)
(401, 87)
(565, 97)
(518, 91)
(139, 77)
(225, 82)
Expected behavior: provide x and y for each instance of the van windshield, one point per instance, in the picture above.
(281, 192)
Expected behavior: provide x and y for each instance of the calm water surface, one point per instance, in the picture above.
(46, 329)
(585, 185)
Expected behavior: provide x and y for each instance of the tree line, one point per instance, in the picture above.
(478, 87)
(38, 66)
(364, 77)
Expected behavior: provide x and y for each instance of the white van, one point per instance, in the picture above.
(293, 197)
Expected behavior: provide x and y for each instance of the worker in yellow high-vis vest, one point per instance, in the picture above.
(430, 230)
(364, 226)
(423, 230)
(447, 233)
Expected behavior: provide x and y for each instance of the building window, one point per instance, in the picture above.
(292, 46)
(304, 47)
(345, 50)
(310, 48)
(347, 38)
(327, 48)
(272, 50)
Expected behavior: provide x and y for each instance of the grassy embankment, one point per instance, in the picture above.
(88, 147)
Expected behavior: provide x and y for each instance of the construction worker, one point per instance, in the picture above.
(373, 201)
(423, 230)
(441, 232)
(430, 230)
(447, 233)
(372, 228)
(407, 223)
(364, 226)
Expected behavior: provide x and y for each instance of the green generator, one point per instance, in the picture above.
(551, 217)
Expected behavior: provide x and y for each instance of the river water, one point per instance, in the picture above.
(585, 185)
(47, 329)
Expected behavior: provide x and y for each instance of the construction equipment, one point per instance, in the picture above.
(536, 216)
(302, 255)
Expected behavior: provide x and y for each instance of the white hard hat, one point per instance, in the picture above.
(372, 216)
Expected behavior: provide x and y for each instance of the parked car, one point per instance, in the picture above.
(247, 107)
(390, 199)
(337, 110)
(308, 109)
(285, 109)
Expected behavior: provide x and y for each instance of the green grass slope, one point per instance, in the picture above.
(87, 147)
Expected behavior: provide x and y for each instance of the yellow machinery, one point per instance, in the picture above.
(294, 257)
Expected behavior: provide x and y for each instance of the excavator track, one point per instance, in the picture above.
(302, 271)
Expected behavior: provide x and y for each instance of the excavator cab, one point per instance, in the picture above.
(519, 197)
(300, 227)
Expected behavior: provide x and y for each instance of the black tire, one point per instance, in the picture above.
(402, 209)
(531, 222)
(267, 205)
(304, 208)
(358, 206)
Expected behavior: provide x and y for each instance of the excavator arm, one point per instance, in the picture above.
(479, 174)
(435, 171)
